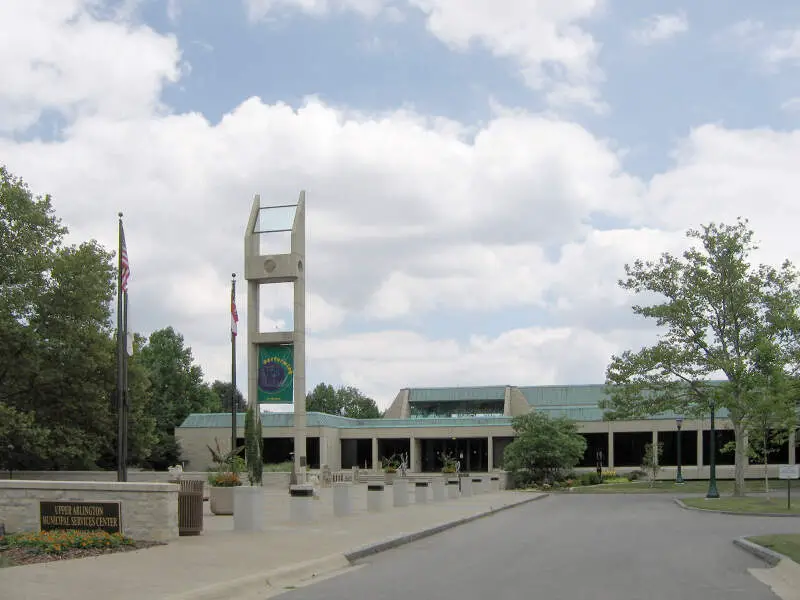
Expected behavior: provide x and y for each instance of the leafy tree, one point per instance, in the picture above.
(20, 439)
(223, 391)
(177, 390)
(543, 448)
(323, 399)
(774, 418)
(723, 318)
(76, 360)
(56, 355)
(346, 401)
(142, 432)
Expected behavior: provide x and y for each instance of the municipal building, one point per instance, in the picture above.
(474, 425)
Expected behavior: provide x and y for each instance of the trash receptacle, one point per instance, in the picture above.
(190, 507)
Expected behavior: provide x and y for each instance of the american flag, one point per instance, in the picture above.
(234, 314)
(124, 266)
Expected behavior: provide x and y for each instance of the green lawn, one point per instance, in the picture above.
(747, 504)
(690, 487)
(787, 544)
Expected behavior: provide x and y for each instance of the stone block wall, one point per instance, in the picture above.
(149, 511)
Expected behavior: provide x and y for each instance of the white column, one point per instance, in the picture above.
(323, 450)
(490, 454)
(655, 445)
(413, 453)
(299, 332)
(700, 448)
(376, 463)
(299, 339)
(610, 453)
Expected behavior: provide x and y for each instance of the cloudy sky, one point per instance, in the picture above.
(477, 172)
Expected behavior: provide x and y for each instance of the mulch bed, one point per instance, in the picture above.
(27, 556)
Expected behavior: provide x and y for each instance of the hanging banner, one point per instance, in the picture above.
(275, 374)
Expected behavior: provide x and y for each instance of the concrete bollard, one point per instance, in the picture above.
(495, 484)
(249, 508)
(466, 487)
(421, 492)
(301, 503)
(375, 497)
(452, 489)
(341, 499)
(477, 485)
(438, 489)
(400, 492)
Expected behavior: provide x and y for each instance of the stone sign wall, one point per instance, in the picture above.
(145, 511)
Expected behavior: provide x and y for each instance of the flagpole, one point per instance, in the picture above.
(233, 363)
(121, 475)
(125, 398)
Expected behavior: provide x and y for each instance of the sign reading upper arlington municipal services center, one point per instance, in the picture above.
(275, 374)
(80, 515)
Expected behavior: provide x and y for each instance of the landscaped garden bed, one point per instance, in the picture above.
(48, 546)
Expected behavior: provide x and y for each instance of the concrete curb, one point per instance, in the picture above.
(770, 557)
(401, 540)
(268, 581)
(730, 512)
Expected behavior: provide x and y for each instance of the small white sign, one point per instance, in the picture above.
(788, 471)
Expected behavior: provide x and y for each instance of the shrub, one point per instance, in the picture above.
(56, 542)
(591, 478)
(224, 479)
(522, 479)
(636, 475)
(569, 475)
(228, 466)
(609, 474)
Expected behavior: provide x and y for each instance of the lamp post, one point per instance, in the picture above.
(712, 461)
(679, 474)
(10, 461)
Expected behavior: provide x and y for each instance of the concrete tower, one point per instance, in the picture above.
(268, 372)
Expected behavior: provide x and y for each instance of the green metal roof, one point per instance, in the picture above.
(577, 402)
(564, 395)
(314, 419)
(457, 394)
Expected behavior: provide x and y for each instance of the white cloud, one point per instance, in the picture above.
(544, 39)
(791, 105)
(385, 361)
(173, 10)
(61, 56)
(784, 48)
(258, 10)
(662, 27)
(774, 47)
(406, 214)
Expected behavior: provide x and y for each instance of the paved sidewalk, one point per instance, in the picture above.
(221, 554)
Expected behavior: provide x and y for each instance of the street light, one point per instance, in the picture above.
(679, 475)
(712, 463)
(10, 462)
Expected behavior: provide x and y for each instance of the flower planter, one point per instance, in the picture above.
(220, 500)
(389, 477)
